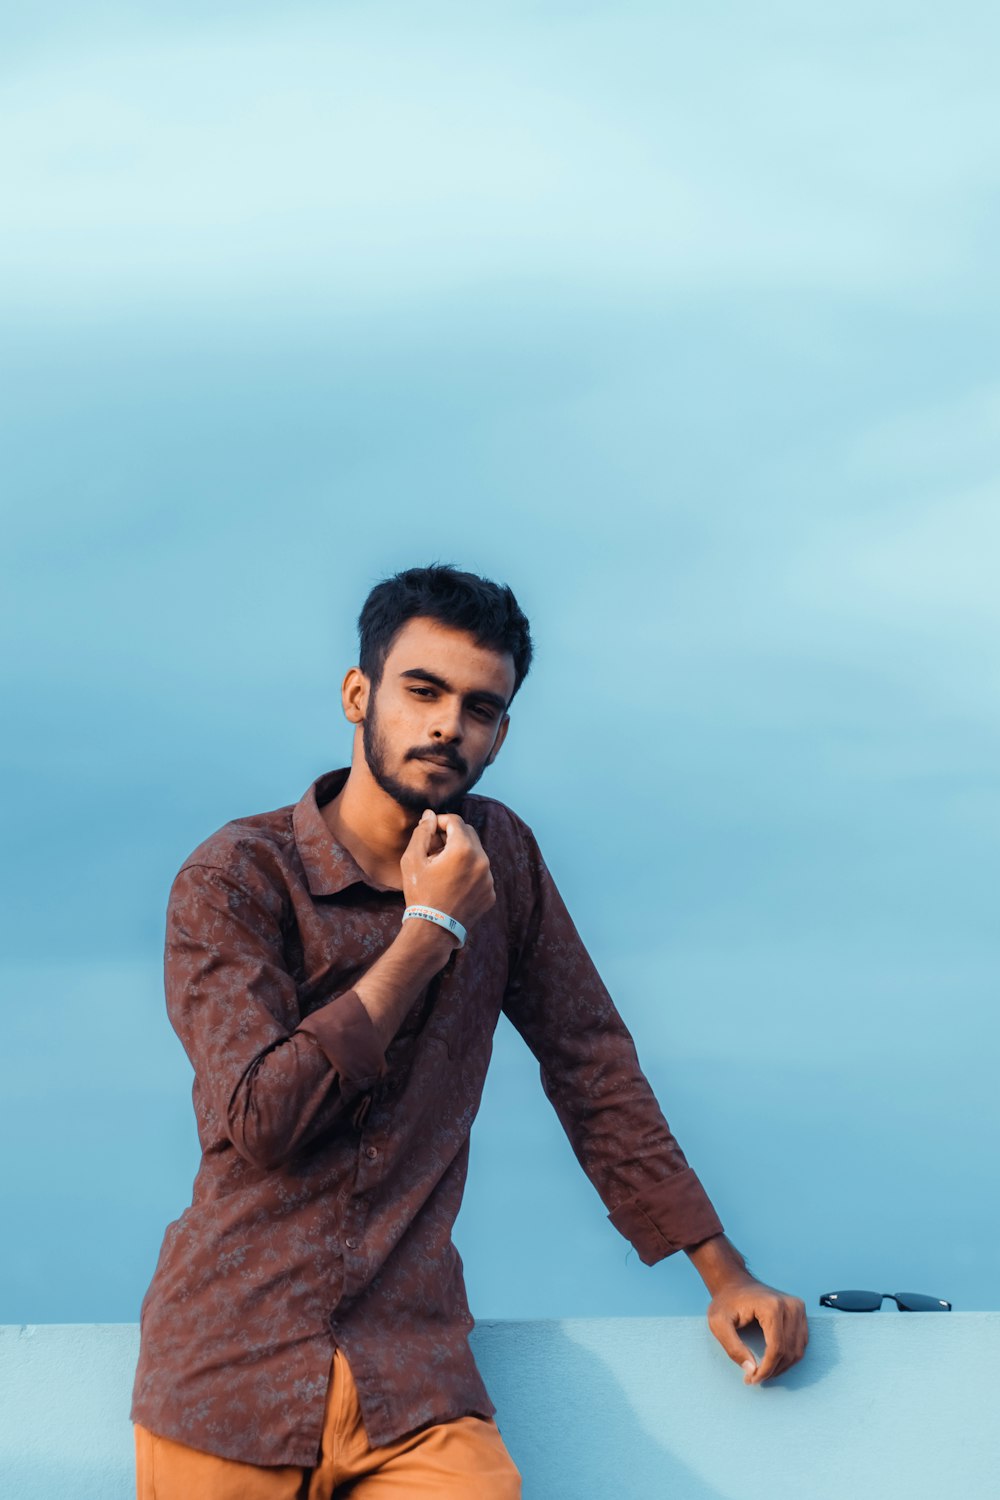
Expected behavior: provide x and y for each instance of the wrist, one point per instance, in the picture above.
(426, 943)
(718, 1263)
(420, 912)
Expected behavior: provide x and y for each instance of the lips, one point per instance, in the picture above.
(438, 760)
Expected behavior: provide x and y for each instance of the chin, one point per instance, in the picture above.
(451, 804)
(444, 799)
(439, 801)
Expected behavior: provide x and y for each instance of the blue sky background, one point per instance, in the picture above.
(683, 321)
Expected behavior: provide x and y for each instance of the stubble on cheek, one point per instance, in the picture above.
(409, 795)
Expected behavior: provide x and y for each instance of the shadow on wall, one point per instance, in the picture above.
(626, 1423)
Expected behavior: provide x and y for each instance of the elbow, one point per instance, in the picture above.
(277, 1108)
(260, 1120)
(258, 1142)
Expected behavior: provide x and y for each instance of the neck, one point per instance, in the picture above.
(370, 824)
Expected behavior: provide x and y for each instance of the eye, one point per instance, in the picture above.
(421, 690)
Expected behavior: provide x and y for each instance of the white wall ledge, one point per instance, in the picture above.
(883, 1405)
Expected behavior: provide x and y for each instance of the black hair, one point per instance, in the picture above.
(488, 611)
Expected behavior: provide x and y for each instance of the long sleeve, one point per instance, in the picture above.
(590, 1072)
(265, 1079)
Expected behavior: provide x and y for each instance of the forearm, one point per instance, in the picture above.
(290, 1095)
(614, 1123)
(389, 988)
(717, 1262)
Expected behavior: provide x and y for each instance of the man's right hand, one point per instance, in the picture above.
(445, 866)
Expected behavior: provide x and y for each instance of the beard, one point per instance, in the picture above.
(410, 799)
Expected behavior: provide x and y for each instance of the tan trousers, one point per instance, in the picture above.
(465, 1458)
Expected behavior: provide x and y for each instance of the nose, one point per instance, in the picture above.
(447, 727)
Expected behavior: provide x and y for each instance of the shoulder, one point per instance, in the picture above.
(249, 854)
(486, 814)
(505, 836)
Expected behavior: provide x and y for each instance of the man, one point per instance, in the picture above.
(335, 971)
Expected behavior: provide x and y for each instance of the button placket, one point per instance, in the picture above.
(354, 1264)
(367, 1175)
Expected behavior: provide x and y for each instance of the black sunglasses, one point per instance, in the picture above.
(872, 1301)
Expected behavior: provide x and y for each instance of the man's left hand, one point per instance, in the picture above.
(743, 1300)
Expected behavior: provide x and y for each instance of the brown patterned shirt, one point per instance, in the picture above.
(331, 1175)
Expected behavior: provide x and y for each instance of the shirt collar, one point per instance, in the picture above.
(328, 866)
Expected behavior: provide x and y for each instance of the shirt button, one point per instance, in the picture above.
(351, 1243)
(371, 1152)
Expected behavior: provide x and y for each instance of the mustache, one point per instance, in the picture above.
(439, 752)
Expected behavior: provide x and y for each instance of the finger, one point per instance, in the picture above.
(801, 1326)
(454, 829)
(724, 1329)
(449, 823)
(776, 1343)
(793, 1338)
(424, 831)
(474, 839)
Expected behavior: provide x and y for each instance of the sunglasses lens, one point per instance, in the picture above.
(917, 1302)
(855, 1301)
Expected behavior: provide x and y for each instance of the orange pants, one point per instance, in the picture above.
(465, 1458)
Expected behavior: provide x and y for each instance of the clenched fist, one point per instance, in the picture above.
(445, 866)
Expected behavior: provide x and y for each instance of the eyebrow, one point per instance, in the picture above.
(483, 694)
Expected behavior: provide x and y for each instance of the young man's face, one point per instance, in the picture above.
(438, 716)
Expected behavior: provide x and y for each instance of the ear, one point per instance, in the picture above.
(501, 736)
(354, 694)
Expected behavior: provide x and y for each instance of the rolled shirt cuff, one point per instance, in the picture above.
(671, 1215)
(346, 1033)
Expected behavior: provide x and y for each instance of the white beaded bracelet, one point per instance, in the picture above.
(431, 914)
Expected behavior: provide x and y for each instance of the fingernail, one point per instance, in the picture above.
(748, 1366)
